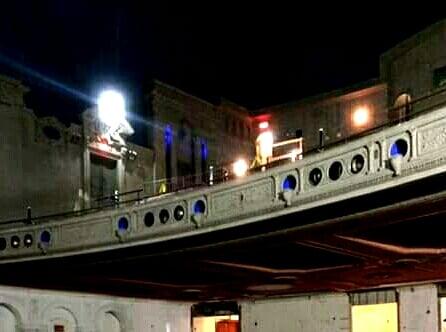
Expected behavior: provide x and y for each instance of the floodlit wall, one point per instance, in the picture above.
(24, 309)
(42, 161)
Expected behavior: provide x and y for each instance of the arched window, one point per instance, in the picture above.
(8, 321)
(402, 107)
(62, 320)
(110, 323)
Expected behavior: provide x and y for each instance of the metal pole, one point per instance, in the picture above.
(321, 138)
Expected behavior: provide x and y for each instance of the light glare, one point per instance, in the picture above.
(240, 167)
(111, 108)
(361, 116)
(263, 125)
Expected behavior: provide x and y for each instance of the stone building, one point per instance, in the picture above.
(335, 112)
(415, 68)
(189, 134)
(53, 168)
(410, 71)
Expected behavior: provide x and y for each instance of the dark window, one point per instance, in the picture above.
(52, 133)
(59, 328)
(440, 77)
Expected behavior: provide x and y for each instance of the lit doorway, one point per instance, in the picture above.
(374, 311)
(375, 317)
(216, 317)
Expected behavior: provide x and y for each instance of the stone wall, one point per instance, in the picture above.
(331, 111)
(417, 311)
(224, 129)
(42, 160)
(26, 310)
(411, 66)
(323, 313)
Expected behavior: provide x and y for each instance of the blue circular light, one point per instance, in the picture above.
(45, 237)
(199, 207)
(399, 147)
(123, 224)
(290, 183)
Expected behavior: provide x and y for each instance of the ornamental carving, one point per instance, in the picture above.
(246, 198)
(431, 139)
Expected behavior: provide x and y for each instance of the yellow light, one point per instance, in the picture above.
(263, 125)
(375, 317)
(294, 154)
(265, 142)
(361, 116)
(240, 167)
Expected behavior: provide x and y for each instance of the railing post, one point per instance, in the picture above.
(28, 215)
(211, 175)
(321, 139)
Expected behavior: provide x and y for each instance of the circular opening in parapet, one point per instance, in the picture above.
(290, 183)
(149, 219)
(178, 213)
(315, 176)
(357, 164)
(164, 216)
(52, 133)
(15, 241)
(28, 240)
(123, 224)
(199, 207)
(2, 243)
(45, 237)
(335, 171)
(399, 147)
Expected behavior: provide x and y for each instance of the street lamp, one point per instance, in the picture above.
(111, 108)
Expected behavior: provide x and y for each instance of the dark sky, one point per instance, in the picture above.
(252, 54)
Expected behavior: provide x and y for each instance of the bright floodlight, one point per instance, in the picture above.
(361, 116)
(111, 107)
(240, 167)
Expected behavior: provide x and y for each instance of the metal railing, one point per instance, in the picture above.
(221, 174)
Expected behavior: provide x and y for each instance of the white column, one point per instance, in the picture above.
(418, 308)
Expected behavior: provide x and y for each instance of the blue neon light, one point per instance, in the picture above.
(204, 150)
(168, 135)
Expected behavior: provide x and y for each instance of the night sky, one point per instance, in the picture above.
(255, 55)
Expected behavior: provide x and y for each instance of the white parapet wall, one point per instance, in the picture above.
(30, 310)
(322, 313)
(23, 309)
(418, 308)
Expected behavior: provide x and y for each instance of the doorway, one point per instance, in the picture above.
(216, 317)
(374, 311)
(103, 179)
